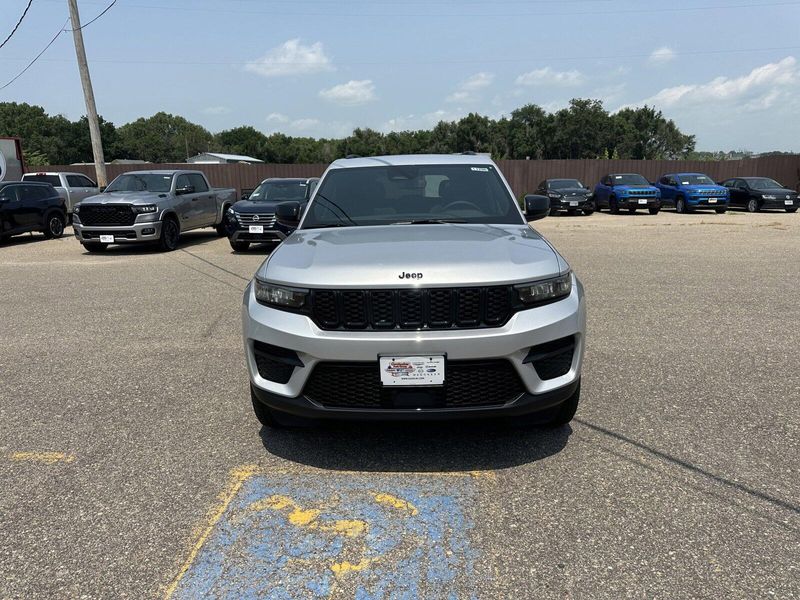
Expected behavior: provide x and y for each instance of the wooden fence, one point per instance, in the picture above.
(523, 175)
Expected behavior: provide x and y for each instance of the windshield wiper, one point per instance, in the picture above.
(429, 222)
(327, 225)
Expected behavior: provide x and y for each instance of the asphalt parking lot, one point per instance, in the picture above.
(131, 465)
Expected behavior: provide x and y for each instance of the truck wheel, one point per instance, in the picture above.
(752, 205)
(222, 228)
(54, 227)
(240, 246)
(95, 246)
(613, 206)
(654, 210)
(170, 235)
(274, 419)
(567, 409)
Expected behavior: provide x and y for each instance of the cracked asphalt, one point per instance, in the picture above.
(131, 465)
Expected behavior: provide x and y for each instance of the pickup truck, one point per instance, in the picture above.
(72, 187)
(626, 190)
(689, 191)
(151, 206)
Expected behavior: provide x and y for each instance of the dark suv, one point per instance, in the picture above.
(28, 207)
(252, 219)
(567, 194)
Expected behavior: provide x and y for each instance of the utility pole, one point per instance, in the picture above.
(88, 94)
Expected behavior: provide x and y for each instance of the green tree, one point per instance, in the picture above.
(162, 138)
(244, 140)
(583, 130)
(529, 131)
(644, 133)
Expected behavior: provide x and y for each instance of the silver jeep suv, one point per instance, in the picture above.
(414, 288)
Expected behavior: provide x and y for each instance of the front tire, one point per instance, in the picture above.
(95, 246)
(613, 207)
(791, 210)
(680, 206)
(240, 246)
(654, 210)
(721, 211)
(752, 205)
(54, 226)
(222, 228)
(170, 235)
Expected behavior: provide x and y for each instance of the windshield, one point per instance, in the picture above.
(695, 180)
(277, 191)
(764, 183)
(563, 184)
(141, 182)
(629, 180)
(413, 193)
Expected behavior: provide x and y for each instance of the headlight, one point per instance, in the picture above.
(553, 195)
(278, 295)
(147, 208)
(769, 197)
(76, 209)
(546, 290)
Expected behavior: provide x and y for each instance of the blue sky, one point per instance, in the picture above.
(725, 70)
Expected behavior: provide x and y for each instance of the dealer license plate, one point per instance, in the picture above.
(712, 200)
(106, 239)
(642, 201)
(256, 229)
(573, 203)
(411, 370)
(789, 202)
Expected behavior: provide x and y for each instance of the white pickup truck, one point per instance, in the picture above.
(151, 207)
(72, 187)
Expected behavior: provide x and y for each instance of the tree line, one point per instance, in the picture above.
(584, 129)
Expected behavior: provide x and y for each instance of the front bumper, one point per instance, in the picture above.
(634, 202)
(780, 203)
(511, 343)
(703, 202)
(244, 235)
(569, 203)
(129, 234)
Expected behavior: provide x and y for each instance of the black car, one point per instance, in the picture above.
(28, 207)
(567, 194)
(755, 193)
(252, 219)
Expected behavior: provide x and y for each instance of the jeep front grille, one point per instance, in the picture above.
(434, 308)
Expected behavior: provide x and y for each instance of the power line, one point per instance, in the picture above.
(30, 64)
(13, 31)
(105, 10)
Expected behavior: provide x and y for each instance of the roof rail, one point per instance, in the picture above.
(468, 153)
(353, 156)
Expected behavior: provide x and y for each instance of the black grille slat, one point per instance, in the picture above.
(440, 308)
(467, 384)
(354, 309)
(468, 309)
(411, 312)
(382, 309)
(326, 312)
(498, 305)
(106, 214)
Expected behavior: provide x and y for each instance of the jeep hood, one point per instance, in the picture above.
(125, 198)
(445, 255)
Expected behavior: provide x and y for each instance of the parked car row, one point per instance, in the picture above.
(686, 192)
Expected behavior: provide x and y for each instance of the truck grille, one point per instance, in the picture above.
(265, 219)
(107, 214)
(435, 308)
(467, 384)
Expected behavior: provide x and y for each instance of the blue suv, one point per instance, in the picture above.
(689, 191)
(626, 190)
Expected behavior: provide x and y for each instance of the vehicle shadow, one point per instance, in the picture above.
(188, 240)
(416, 447)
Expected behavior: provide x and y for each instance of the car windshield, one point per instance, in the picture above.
(277, 191)
(764, 183)
(695, 180)
(563, 184)
(629, 180)
(141, 182)
(412, 194)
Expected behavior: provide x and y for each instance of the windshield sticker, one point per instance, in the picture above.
(684, 183)
(617, 176)
(481, 169)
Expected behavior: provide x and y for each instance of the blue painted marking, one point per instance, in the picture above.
(264, 554)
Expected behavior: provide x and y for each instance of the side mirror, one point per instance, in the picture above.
(536, 207)
(288, 213)
(245, 195)
(187, 189)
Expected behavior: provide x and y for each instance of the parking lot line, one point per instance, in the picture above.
(47, 458)
(350, 534)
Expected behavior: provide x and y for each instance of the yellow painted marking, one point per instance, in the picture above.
(300, 517)
(395, 502)
(315, 471)
(48, 458)
(345, 567)
(237, 480)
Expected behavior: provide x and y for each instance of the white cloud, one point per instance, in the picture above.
(291, 58)
(758, 87)
(277, 118)
(351, 93)
(549, 76)
(661, 56)
(216, 110)
(423, 121)
(469, 89)
(304, 124)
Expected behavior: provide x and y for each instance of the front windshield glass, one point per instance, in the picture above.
(278, 191)
(764, 183)
(141, 182)
(695, 180)
(413, 193)
(629, 180)
(564, 184)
